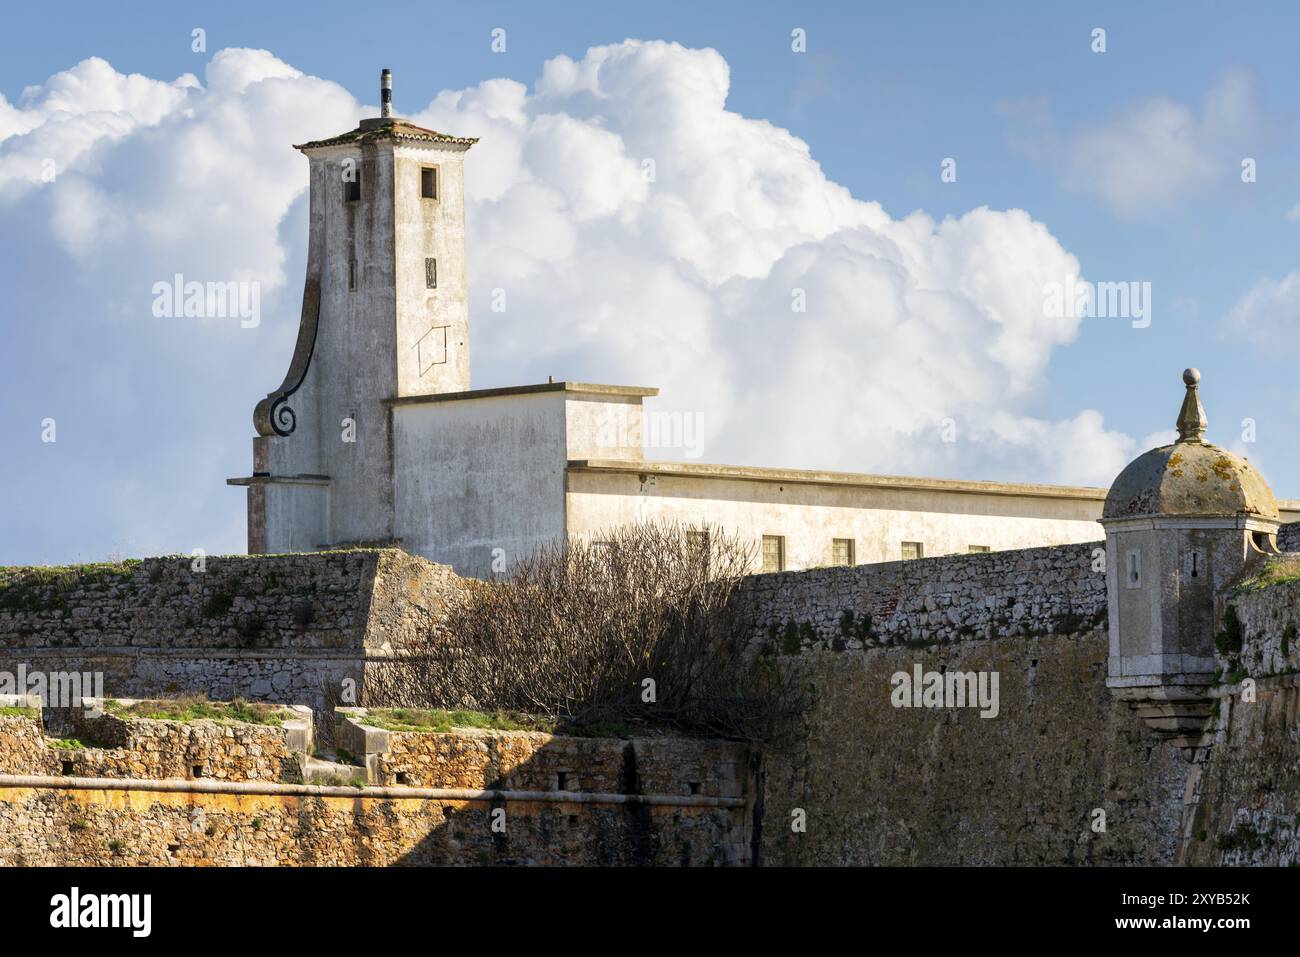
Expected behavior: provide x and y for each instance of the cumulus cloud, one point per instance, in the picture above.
(661, 239)
(643, 234)
(1268, 315)
(1153, 152)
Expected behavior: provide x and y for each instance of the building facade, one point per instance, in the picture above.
(375, 435)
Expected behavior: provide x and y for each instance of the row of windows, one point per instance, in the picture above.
(842, 552)
(428, 184)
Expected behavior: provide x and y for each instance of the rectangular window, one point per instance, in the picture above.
(352, 274)
(979, 548)
(697, 539)
(841, 551)
(773, 553)
(913, 550)
(352, 187)
(428, 183)
(431, 273)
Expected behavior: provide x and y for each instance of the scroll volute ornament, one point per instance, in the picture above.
(273, 416)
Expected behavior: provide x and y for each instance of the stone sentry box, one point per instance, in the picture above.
(1181, 522)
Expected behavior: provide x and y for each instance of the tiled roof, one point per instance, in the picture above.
(394, 130)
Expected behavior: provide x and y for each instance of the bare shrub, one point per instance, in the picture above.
(644, 627)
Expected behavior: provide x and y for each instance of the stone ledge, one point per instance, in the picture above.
(184, 786)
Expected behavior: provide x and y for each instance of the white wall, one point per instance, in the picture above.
(810, 516)
(476, 474)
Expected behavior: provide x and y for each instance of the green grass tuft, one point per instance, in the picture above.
(197, 708)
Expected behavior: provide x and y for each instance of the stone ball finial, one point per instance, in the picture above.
(1191, 417)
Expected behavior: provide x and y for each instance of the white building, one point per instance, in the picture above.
(375, 435)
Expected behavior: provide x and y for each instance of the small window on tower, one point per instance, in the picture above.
(429, 183)
(352, 187)
(352, 274)
(431, 273)
(1133, 572)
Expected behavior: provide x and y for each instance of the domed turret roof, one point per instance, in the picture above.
(1190, 478)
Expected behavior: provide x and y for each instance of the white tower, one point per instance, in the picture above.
(385, 316)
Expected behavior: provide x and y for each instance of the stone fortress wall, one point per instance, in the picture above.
(884, 785)
(273, 628)
(1244, 794)
(166, 792)
(872, 783)
(1027, 592)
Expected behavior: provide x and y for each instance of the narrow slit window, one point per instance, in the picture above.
(1133, 577)
(431, 273)
(428, 183)
(352, 274)
(352, 186)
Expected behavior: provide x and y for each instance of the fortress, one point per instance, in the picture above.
(1143, 638)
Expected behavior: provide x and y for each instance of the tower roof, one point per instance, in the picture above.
(1191, 477)
(392, 129)
(387, 127)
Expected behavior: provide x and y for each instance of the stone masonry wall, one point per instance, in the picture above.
(1244, 806)
(52, 815)
(887, 785)
(521, 760)
(55, 826)
(871, 782)
(1034, 591)
(117, 746)
(882, 785)
(143, 748)
(23, 749)
(278, 627)
(534, 760)
(1264, 640)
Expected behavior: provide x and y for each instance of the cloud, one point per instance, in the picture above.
(1153, 152)
(643, 233)
(1268, 315)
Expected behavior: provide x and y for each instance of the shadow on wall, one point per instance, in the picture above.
(555, 799)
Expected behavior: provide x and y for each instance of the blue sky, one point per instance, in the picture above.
(1035, 120)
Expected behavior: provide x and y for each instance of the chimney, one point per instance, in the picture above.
(386, 93)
